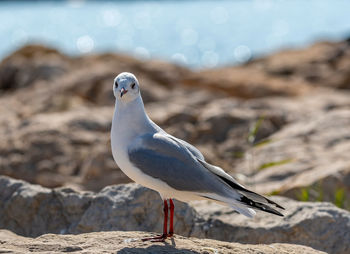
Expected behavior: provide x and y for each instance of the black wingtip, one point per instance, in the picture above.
(244, 190)
(274, 203)
(277, 213)
(259, 206)
(281, 207)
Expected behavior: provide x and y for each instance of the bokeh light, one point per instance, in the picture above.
(242, 53)
(141, 52)
(210, 59)
(219, 15)
(189, 37)
(85, 44)
(179, 58)
(111, 18)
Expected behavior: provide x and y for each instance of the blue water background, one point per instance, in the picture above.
(195, 33)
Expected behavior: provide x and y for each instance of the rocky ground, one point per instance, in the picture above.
(280, 124)
(129, 242)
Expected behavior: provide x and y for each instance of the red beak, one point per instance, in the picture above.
(123, 91)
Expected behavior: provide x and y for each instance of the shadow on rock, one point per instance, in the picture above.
(157, 249)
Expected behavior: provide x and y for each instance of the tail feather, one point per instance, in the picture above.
(255, 197)
(239, 207)
(246, 211)
(244, 205)
(242, 199)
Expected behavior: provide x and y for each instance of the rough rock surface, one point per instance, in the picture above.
(317, 224)
(306, 160)
(51, 149)
(121, 207)
(129, 242)
(131, 207)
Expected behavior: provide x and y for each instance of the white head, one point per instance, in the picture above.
(126, 87)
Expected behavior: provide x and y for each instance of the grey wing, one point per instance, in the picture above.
(190, 147)
(224, 176)
(162, 157)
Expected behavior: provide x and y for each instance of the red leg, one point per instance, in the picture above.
(171, 230)
(165, 223)
(162, 237)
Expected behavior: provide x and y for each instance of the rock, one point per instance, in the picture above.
(314, 224)
(131, 207)
(29, 65)
(322, 64)
(307, 160)
(129, 242)
(245, 83)
(227, 118)
(288, 73)
(62, 148)
(123, 207)
(88, 77)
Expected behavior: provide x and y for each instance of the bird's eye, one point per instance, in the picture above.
(116, 84)
(133, 85)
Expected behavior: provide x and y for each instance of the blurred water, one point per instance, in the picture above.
(194, 33)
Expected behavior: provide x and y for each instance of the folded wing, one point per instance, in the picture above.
(183, 168)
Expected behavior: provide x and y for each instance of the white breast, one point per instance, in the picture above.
(127, 126)
(119, 145)
(121, 158)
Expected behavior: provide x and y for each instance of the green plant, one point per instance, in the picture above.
(263, 142)
(253, 130)
(304, 194)
(339, 197)
(238, 154)
(274, 163)
(275, 192)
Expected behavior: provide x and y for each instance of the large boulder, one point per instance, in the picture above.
(131, 207)
(120, 207)
(316, 224)
(29, 65)
(66, 148)
(306, 160)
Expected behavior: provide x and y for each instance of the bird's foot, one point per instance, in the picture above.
(159, 238)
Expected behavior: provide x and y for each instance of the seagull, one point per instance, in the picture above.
(171, 166)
